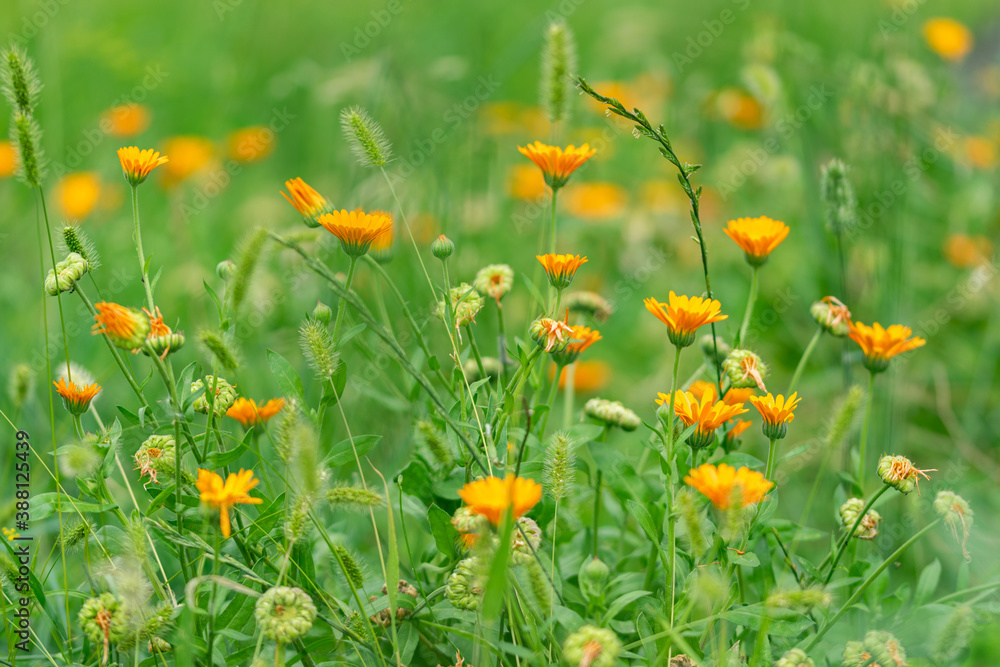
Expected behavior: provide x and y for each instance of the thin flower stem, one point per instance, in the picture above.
(863, 447)
(748, 313)
(409, 232)
(803, 360)
(475, 351)
(597, 506)
(772, 451)
(569, 389)
(137, 237)
(342, 306)
(868, 582)
(849, 534)
(669, 488)
(552, 240)
(551, 401)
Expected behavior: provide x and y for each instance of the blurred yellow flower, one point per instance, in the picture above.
(981, 152)
(964, 251)
(492, 496)
(188, 155)
(126, 120)
(595, 201)
(948, 38)
(250, 144)
(525, 182)
(224, 495)
(248, 413)
(77, 194)
(8, 159)
(739, 109)
(309, 203)
(588, 376)
(727, 487)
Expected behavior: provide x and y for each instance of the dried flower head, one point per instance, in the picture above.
(612, 413)
(494, 281)
(591, 646)
(284, 614)
(868, 527)
(900, 474)
(66, 274)
(225, 395)
(465, 305)
(832, 315)
(955, 511)
(551, 335)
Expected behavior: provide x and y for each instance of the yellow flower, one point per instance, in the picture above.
(491, 497)
(708, 415)
(964, 251)
(189, 154)
(981, 152)
(249, 144)
(248, 413)
(126, 120)
(223, 496)
(557, 164)
(10, 534)
(777, 412)
(560, 268)
(309, 203)
(683, 315)
(525, 182)
(126, 327)
(757, 237)
(699, 388)
(355, 229)
(580, 339)
(727, 487)
(880, 345)
(588, 376)
(76, 398)
(77, 194)
(8, 159)
(595, 201)
(136, 164)
(948, 38)
(739, 109)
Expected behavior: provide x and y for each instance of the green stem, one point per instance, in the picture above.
(569, 391)
(597, 509)
(342, 306)
(550, 401)
(475, 351)
(863, 448)
(868, 582)
(802, 362)
(847, 536)
(552, 241)
(772, 450)
(137, 237)
(751, 301)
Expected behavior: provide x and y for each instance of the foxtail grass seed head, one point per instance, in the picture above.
(957, 514)
(899, 473)
(305, 454)
(297, 519)
(322, 313)
(79, 459)
(319, 349)
(157, 456)
(436, 444)
(612, 413)
(832, 315)
(225, 395)
(346, 563)
(20, 384)
(284, 614)
(226, 270)
(224, 355)
(30, 159)
(465, 305)
(591, 304)
(20, 83)
(365, 137)
(955, 635)
(284, 436)
(796, 657)
(494, 281)
(354, 498)
(838, 197)
(442, 247)
(74, 533)
(246, 263)
(75, 240)
(592, 646)
(558, 65)
(466, 584)
(745, 369)
(560, 460)
(868, 528)
(843, 417)
(66, 273)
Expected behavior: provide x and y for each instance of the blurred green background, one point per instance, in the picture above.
(762, 93)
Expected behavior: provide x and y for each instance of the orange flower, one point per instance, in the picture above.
(77, 194)
(557, 164)
(125, 120)
(250, 144)
(189, 154)
(736, 430)
(727, 487)
(525, 182)
(948, 38)
(8, 159)
(223, 496)
(309, 203)
(355, 229)
(757, 237)
(126, 327)
(699, 388)
(561, 268)
(981, 152)
(777, 412)
(491, 497)
(739, 109)
(708, 415)
(595, 201)
(247, 412)
(136, 164)
(683, 315)
(964, 251)
(588, 376)
(76, 398)
(880, 345)
(580, 339)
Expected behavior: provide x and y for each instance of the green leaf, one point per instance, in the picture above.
(622, 602)
(222, 459)
(748, 559)
(44, 505)
(442, 530)
(496, 585)
(774, 621)
(342, 453)
(288, 380)
(645, 520)
(927, 583)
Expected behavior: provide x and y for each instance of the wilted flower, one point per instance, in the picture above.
(494, 280)
(161, 340)
(796, 657)
(157, 455)
(868, 528)
(900, 474)
(284, 613)
(102, 621)
(66, 273)
(745, 369)
(466, 584)
(591, 646)
(383, 617)
(832, 315)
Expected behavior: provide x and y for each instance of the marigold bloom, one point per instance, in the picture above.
(981, 152)
(248, 413)
(736, 430)
(580, 339)
(126, 327)
(77, 194)
(491, 496)
(76, 398)
(557, 164)
(189, 154)
(740, 109)
(699, 388)
(309, 203)
(709, 414)
(383, 246)
(595, 201)
(880, 345)
(249, 144)
(588, 376)
(948, 38)
(525, 182)
(683, 315)
(560, 269)
(136, 164)
(728, 487)
(964, 251)
(223, 496)
(355, 229)
(757, 237)
(8, 159)
(777, 412)
(126, 120)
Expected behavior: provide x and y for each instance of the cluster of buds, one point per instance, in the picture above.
(383, 618)
(900, 474)
(66, 273)
(157, 456)
(465, 305)
(794, 658)
(832, 315)
(101, 619)
(849, 513)
(745, 369)
(612, 413)
(284, 613)
(592, 646)
(466, 584)
(225, 395)
(878, 649)
(589, 303)
(495, 281)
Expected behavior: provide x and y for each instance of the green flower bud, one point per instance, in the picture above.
(66, 273)
(593, 576)
(20, 385)
(794, 658)
(466, 585)
(226, 269)
(523, 545)
(284, 614)
(225, 395)
(443, 247)
(612, 413)
(322, 313)
(591, 645)
(868, 528)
